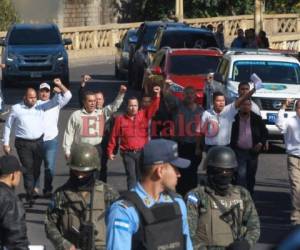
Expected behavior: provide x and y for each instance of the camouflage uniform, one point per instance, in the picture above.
(245, 227)
(71, 213)
(55, 230)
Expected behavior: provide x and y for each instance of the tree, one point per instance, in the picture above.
(8, 14)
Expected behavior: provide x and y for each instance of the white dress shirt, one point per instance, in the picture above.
(28, 121)
(221, 134)
(51, 115)
(290, 128)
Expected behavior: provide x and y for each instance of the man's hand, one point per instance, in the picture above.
(123, 89)
(57, 90)
(156, 91)
(57, 82)
(84, 79)
(2, 65)
(6, 149)
(112, 157)
(67, 156)
(73, 247)
(258, 147)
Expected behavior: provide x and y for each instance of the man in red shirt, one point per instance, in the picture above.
(132, 131)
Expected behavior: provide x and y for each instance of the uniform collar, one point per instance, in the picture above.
(147, 199)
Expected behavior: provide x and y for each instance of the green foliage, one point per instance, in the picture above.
(8, 14)
(139, 10)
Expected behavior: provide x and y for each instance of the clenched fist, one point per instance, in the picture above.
(156, 90)
(57, 82)
(123, 89)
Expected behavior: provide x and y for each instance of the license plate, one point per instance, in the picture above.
(35, 75)
(271, 117)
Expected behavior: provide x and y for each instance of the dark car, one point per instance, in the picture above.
(145, 36)
(34, 52)
(122, 55)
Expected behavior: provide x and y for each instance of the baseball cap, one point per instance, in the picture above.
(160, 151)
(10, 164)
(45, 85)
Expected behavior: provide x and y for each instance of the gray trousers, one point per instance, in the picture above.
(293, 166)
(131, 160)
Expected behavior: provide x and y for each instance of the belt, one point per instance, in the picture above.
(30, 140)
(132, 150)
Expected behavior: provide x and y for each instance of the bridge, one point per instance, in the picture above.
(283, 31)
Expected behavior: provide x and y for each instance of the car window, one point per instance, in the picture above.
(268, 71)
(193, 64)
(188, 40)
(34, 36)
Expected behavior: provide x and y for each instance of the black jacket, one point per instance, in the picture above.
(12, 220)
(258, 129)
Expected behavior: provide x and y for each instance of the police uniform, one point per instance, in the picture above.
(139, 222)
(76, 215)
(124, 221)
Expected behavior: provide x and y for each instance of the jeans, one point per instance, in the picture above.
(131, 162)
(247, 167)
(189, 176)
(31, 156)
(104, 159)
(50, 151)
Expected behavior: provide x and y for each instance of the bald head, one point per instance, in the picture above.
(30, 97)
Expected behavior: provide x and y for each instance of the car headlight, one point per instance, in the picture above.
(60, 57)
(176, 87)
(11, 57)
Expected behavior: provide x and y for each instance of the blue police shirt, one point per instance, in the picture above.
(123, 220)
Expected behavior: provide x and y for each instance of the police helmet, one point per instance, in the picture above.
(220, 157)
(84, 157)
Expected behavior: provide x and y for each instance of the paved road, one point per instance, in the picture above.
(271, 196)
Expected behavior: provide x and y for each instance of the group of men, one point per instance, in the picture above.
(161, 146)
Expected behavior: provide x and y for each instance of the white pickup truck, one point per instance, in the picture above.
(280, 75)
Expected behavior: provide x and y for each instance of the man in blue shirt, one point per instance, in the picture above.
(151, 215)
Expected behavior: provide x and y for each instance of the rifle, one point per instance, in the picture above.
(87, 228)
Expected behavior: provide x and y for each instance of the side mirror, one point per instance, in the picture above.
(118, 45)
(151, 49)
(156, 70)
(133, 39)
(67, 41)
(2, 41)
(218, 77)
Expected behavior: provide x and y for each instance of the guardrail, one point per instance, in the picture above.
(283, 31)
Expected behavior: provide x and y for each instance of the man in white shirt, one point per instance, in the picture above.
(50, 144)
(87, 124)
(28, 119)
(216, 123)
(290, 128)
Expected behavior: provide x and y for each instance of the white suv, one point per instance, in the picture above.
(280, 74)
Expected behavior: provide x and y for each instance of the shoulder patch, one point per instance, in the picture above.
(121, 224)
(192, 198)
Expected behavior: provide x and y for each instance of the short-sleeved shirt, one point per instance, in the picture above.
(217, 126)
(123, 220)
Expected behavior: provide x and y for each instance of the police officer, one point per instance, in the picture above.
(151, 208)
(70, 221)
(220, 215)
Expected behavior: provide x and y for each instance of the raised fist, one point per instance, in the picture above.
(123, 89)
(86, 78)
(156, 89)
(57, 82)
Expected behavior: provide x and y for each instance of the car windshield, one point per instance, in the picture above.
(34, 36)
(268, 71)
(193, 64)
(188, 40)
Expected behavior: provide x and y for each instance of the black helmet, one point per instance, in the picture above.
(220, 157)
(84, 157)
